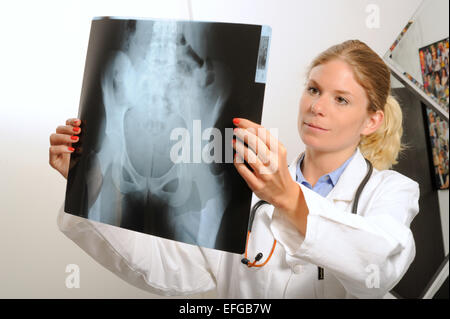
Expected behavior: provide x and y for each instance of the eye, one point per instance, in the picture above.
(341, 100)
(312, 90)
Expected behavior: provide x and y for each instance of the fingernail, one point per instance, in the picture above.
(236, 121)
(76, 129)
(71, 149)
(75, 138)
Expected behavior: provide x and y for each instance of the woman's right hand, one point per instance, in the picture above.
(61, 145)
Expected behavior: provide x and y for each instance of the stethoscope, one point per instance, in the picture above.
(255, 207)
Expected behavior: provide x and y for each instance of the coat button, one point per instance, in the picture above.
(298, 269)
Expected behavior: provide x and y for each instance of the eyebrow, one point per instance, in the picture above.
(337, 91)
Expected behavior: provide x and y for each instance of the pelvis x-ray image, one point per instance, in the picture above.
(157, 104)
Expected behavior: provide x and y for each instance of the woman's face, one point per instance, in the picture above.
(437, 80)
(333, 109)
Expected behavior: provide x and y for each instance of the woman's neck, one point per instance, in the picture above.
(316, 164)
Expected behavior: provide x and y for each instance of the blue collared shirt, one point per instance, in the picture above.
(326, 182)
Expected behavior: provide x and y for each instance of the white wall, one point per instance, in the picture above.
(42, 62)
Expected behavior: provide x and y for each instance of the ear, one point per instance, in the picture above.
(373, 122)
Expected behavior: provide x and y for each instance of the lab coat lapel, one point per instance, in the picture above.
(349, 181)
(346, 186)
(351, 177)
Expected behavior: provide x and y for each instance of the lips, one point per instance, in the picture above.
(315, 126)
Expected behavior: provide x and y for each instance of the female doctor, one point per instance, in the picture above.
(317, 247)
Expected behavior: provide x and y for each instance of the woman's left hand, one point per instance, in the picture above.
(270, 179)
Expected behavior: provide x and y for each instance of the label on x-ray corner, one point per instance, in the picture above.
(263, 54)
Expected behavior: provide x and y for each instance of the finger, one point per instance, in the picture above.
(58, 139)
(244, 123)
(250, 178)
(68, 129)
(250, 137)
(261, 170)
(266, 137)
(246, 154)
(55, 150)
(73, 122)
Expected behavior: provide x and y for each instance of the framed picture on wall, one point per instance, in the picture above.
(438, 138)
(434, 69)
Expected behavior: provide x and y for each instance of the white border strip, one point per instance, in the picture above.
(437, 282)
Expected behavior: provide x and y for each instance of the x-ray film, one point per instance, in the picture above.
(157, 102)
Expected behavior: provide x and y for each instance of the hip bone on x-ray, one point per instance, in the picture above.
(157, 103)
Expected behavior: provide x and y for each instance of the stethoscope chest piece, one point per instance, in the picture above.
(258, 256)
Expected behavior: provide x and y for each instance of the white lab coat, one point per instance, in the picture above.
(363, 255)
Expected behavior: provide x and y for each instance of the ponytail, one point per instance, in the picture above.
(382, 147)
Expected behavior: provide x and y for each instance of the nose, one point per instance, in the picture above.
(318, 105)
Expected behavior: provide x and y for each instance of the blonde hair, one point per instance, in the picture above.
(383, 146)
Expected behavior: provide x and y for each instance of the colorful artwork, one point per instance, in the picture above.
(400, 36)
(434, 69)
(438, 131)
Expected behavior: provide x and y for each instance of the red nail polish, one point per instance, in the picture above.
(71, 149)
(236, 121)
(76, 129)
(75, 138)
